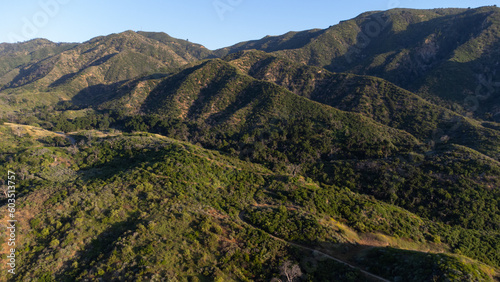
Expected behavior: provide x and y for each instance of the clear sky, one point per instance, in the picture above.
(213, 23)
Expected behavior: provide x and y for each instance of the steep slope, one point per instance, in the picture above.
(265, 160)
(215, 94)
(373, 97)
(13, 57)
(100, 62)
(218, 106)
(189, 51)
(445, 55)
(290, 40)
(442, 54)
(148, 207)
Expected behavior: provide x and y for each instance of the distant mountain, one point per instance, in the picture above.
(14, 57)
(290, 40)
(215, 94)
(447, 56)
(442, 54)
(100, 62)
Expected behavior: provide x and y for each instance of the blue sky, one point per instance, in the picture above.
(213, 23)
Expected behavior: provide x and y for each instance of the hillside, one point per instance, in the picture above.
(442, 54)
(216, 105)
(94, 66)
(373, 97)
(447, 56)
(173, 211)
(13, 57)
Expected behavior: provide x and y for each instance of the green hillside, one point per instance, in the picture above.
(96, 65)
(13, 57)
(373, 97)
(174, 211)
(217, 106)
(442, 54)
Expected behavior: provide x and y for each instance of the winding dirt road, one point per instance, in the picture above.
(368, 274)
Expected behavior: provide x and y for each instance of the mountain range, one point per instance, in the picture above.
(369, 150)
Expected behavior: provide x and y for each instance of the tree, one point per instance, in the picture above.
(290, 271)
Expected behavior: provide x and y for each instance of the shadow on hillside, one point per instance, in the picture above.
(375, 263)
(67, 77)
(260, 69)
(32, 73)
(427, 65)
(99, 249)
(157, 98)
(208, 97)
(128, 157)
(63, 79)
(372, 41)
(99, 94)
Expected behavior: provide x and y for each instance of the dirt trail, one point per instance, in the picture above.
(368, 274)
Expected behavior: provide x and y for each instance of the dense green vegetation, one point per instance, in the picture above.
(330, 146)
(373, 97)
(157, 216)
(402, 265)
(440, 54)
(140, 206)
